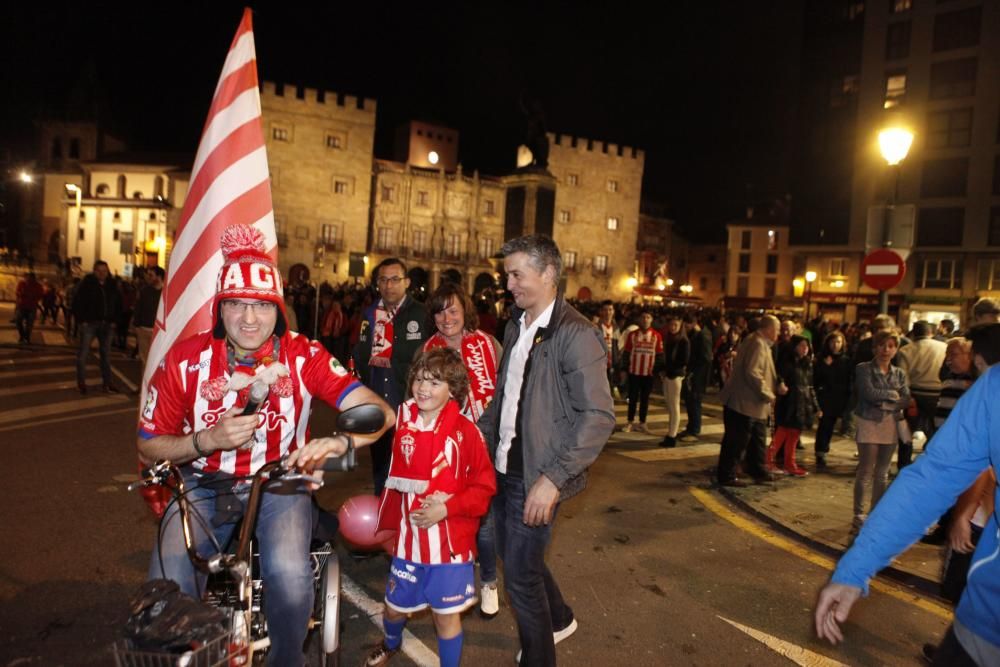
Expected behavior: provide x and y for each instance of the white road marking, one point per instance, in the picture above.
(412, 647)
(794, 652)
(61, 407)
(673, 453)
(88, 415)
(20, 359)
(24, 372)
(46, 386)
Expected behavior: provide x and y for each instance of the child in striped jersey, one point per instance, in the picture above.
(440, 484)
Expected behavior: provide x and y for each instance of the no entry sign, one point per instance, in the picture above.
(883, 269)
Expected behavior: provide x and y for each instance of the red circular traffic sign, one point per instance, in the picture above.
(883, 269)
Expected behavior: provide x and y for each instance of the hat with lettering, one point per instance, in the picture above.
(248, 272)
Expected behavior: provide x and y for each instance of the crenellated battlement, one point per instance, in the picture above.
(312, 97)
(584, 145)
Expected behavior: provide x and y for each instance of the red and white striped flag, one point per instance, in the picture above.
(229, 185)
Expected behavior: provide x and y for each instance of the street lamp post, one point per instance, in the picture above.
(810, 279)
(894, 144)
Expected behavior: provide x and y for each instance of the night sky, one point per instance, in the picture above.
(707, 88)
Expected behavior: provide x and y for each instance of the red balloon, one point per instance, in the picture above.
(358, 518)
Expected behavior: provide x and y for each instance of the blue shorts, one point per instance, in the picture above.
(447, 588)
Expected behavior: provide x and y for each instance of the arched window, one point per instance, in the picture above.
(158, 187)
(121, 186)
(103, 190)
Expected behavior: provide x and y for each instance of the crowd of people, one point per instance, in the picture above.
(538, 375)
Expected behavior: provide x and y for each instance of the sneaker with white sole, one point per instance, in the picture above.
(557, 636)
(489, 601)
(629, 427)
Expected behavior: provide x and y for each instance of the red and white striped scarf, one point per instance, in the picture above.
(480, 359)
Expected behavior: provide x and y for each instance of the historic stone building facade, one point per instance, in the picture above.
(319, 149)
(599, 186)
(445, 224)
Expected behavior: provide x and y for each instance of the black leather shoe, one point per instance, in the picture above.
(668, 441)
(766, 478)
(734, 482)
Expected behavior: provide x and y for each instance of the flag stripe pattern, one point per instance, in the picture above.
(229, 185)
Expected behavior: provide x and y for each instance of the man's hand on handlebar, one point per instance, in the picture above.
(315, 452)
(232, 432)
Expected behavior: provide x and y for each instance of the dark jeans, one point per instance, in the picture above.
(692, 401)
(533, 593)
(951, 654)
(743, 434)
(926, 406)
(88, 331)
(639, 388)
(824, 432)
(381, 451)
(24, 319)
(486, 545)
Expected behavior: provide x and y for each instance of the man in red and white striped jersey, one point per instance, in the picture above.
(193, 415)
(644, 350)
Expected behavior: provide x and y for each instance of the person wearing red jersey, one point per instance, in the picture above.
(457, 326)
(644, 353)
(440, 483)
(193, 416)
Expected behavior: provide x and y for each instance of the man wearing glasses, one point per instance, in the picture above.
(194, 416)
(391, 333)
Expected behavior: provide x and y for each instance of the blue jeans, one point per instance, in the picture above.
(486, 545)
(88, 331)
(533, 593)
(284, 531)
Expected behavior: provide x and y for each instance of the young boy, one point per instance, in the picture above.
(440, 484)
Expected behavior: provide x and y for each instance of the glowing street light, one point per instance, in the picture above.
(810, 279)
(25, 177)
(894, 143)
(687, 289)
(631, 282)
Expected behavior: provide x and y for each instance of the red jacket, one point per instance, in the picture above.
(29, 293)
(471, 485)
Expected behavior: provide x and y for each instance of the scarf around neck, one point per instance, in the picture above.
(480, 359)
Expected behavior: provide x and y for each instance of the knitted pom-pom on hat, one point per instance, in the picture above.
(248, 272)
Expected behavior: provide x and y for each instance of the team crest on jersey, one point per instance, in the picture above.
(413, 326)
(407, 445)
(469, 590)
(336, 367)
(211, 417)
(150, 407)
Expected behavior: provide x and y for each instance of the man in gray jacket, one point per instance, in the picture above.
(746, 401)
(550, 419)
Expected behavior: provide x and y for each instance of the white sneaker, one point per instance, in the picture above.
(557, 636)
(628, 428)
(489, 601)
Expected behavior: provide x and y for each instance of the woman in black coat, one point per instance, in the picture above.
(796, 409)
(832, 379)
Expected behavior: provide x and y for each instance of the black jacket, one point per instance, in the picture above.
(796, 409)
(409, 331)
(832, 383)
(96, 303)
(677, 350)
